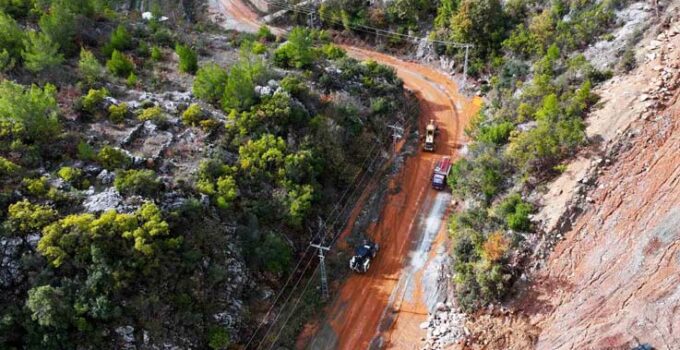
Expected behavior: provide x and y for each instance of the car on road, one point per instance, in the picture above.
(363, 254)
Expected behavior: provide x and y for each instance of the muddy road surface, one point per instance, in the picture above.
(384, 307)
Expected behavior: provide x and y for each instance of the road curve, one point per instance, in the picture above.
(383, 308)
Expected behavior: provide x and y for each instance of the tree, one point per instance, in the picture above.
(210, 82)
(274, 254)
(11, 38)
(480, 22)
(59, 24)
(90, 68)
(239, 93)
(28, 114)
(40, 52)
(119, 64)
(297, 51)
(120, 40)
(188, 59)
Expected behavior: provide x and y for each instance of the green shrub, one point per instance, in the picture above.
(137, 182)
(297, 51)
(154, 114)
(25, 217)
(117, 113)
(156, 53)
(188, 59)
(36, 187)
(210, 83)
(293, 85)
(333, 52)
(29, 114)
(497, 134)
(85, 151)
(59, 24)
(90, 68)
(11, 37)
(193, 115)
(119, 64)
(131, 80)
(113, 158)
(120, 40)
(515, 212)
(274, 255)
(69, 174)
(265, 34)
(94, 99)
(7, 167)
(218, 338)
(259, 48)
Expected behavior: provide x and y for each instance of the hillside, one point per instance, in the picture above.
(160, 175)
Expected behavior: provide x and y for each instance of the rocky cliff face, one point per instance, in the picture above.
(611, 280)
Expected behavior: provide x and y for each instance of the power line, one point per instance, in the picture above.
(338, 214)
(373, 30)
(295, 8)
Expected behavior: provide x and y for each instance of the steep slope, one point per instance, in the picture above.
(612, 282)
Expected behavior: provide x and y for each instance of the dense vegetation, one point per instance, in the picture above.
(538, 91)
(286, 124)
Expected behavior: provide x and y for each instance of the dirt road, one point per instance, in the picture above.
(383, 308)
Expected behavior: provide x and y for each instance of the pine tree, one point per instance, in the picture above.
(40, 52)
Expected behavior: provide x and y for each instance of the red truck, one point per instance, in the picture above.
(442, 168)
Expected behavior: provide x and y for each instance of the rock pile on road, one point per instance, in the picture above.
(445, 326)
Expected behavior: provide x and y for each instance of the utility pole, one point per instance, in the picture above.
(322, 266)
(397, 133)
(467, 47)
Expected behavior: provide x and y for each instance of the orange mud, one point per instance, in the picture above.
(369, 307)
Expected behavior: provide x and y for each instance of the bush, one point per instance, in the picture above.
(274, 255)
(210, 83)
(131, 80)
(29, 114)
(333, 52)
(90, 68)
(156, 53)
(117, 113)
(11, 37)
(297, 51)
(85, 151)
(25, 217)
(112, 158)
(119, 64)
(94, 99)
(154, 114)
(265, 34)
(188, 59)
(515, 212)
(120, 41)
(259, 48)
(218, 338)
(69, 174)
(36, 187)
(193, 115)
(59, 24)
(7, 167)
(137, 182)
